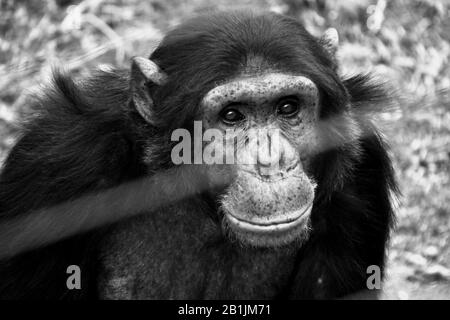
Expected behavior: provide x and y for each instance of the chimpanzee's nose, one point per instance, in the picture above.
(275, 155)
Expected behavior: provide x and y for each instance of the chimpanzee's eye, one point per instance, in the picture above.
(231, 116)
(288, 107)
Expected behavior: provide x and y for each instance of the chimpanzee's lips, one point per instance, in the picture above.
(268, 225)
(271, 175)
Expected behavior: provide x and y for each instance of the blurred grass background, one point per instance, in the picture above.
(406, 42)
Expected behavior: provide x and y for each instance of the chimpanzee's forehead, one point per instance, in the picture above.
(260, 88)
(215, 46)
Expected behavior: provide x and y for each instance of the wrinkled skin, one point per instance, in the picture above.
(269, 202)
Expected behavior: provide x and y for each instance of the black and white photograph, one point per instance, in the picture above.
(245, 152)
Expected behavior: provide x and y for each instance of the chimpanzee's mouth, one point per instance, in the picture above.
(270, 175)
(270, 224)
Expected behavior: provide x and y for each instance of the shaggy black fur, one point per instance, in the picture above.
(87, 136)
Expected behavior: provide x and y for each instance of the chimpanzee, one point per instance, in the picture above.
(302, 216)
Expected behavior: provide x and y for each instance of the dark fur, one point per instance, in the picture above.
(86, 137)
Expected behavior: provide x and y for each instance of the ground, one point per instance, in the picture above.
(404, 42)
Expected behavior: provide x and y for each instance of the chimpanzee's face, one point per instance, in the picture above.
(266, 112)
(269, 125)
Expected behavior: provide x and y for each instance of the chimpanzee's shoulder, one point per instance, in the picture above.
(100, 98)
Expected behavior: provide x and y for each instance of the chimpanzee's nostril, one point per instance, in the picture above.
(293, 166)
(282, 162)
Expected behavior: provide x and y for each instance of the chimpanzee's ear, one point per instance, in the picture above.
(144, 74)
(330, 41)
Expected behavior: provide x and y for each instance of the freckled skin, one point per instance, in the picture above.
(252, 196)
(259, 89)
